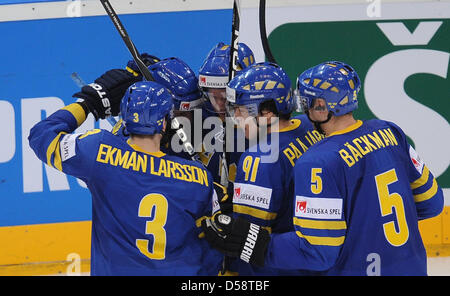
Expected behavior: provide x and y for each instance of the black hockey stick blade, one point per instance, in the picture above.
(126, 38)
(262, 31)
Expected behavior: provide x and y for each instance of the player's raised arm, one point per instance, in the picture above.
(46, 136)
(52, 139)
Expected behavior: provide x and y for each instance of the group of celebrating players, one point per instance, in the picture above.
(320, 193)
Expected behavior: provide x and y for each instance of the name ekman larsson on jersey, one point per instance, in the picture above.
(139, 162)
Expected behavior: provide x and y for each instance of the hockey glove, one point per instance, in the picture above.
(104, 95)
(236, 237)
(224, 197)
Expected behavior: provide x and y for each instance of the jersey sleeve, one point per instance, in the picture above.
(319, 220)
(54, 143)
(428, 195)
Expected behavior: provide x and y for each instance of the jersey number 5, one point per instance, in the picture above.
(316, 180)
(155, 226)
(388, 202)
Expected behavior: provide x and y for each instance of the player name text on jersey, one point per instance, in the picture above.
(362, 145)
(295, 148)
(132, 160)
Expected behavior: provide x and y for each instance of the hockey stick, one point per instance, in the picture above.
(175, 124)
(262, 31)
(232, 69)
(234, 40)
(126, 38)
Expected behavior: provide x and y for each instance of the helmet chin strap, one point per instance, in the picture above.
(318, 123)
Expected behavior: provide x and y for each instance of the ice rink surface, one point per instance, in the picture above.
(437, 266)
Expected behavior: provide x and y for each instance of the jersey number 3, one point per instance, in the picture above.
(155, 226)
(388, 202)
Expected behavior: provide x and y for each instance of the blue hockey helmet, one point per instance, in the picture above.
(214, 71)
(213, 74)
(144, 107)
(259, 83)
(148, 60)
(181, 80)
(335, 82)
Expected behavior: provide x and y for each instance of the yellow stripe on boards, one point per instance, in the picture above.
(47, 268)
(39, 243)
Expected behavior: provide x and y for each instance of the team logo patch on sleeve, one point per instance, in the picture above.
(67, 146)
(252, 195)
(416, 160)
(318, 208)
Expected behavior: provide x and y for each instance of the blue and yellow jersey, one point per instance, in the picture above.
(146, 207)
(359, 194)
(264, 189)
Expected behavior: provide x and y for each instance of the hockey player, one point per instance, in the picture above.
(261, 96)
(145, 204)
(359, 193)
